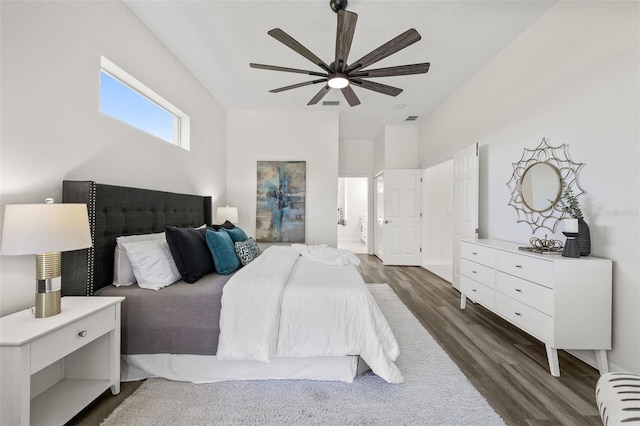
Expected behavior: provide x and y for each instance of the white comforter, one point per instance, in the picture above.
(285, 305)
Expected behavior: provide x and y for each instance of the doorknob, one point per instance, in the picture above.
(387, 221)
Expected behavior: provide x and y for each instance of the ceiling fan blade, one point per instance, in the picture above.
(350, 96)
(285, 69)
(405, 39)
(344, 37)
(377, 87)
(392, 71)
(295, 86)
(292, 43)
(319, 95)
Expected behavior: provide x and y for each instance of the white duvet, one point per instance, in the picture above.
(286, 305)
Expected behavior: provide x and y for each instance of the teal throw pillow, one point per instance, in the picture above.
(236, 234)
(224, 255)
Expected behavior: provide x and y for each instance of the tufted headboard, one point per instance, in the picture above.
(115, 211)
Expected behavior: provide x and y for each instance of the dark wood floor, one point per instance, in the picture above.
(508, 367)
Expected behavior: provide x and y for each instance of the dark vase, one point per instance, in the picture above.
(584, 238)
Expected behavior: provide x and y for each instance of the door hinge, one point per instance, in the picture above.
(420, 214)
(420, 249)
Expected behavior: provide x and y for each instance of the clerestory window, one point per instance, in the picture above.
(125, 98)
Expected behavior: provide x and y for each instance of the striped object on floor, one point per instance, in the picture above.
(618, 399)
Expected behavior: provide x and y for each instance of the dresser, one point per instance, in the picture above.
(53, 367)
(563, 302)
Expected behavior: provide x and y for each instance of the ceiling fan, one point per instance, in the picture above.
(340, 74)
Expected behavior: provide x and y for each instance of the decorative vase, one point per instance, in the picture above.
(584, 238)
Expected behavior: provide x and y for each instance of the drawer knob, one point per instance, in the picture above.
(474, 253)
(473, 289)
(518, 266)
(519, 290)
(83, 333)
(475, 272)
(518, 314)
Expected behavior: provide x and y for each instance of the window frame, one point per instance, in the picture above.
(181, 121)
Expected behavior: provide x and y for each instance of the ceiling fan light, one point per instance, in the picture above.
(338, 81)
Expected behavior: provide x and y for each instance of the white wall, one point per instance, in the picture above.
(572, 77)
(52, 129)
(437, 214)
(355, 158)
(400, 146)
(285, 136)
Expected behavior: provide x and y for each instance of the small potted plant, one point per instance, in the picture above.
(569, 204)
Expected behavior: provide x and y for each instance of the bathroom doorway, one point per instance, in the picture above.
(353, 232)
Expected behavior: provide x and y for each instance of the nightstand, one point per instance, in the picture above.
(51, 368)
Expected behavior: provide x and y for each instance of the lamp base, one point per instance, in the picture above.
(48, 304)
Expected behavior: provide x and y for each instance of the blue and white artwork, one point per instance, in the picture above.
(280, 206)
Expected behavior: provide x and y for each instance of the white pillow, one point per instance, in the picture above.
(122, 269)
(152, 263)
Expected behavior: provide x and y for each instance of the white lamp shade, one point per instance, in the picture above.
(227, 213)
(44, 228)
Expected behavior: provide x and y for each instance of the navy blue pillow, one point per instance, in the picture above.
(190, 253)
(226, 225)
(223, 252)
(237, 234)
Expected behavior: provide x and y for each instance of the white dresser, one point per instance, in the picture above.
(51, 368)
(564, 302)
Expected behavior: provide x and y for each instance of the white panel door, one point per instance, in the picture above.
(402, 217)
(465, 202)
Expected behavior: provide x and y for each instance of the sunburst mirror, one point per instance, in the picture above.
(538, 181)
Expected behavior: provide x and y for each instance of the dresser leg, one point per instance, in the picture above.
(463, 301)
(603, 364)
(552, 357)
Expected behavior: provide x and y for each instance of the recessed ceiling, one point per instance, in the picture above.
(216, 40)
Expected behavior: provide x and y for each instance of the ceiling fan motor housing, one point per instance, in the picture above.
(337, 5)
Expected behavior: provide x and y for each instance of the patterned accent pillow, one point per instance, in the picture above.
(247, 250)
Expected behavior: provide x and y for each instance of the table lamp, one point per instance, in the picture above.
(45, 230)
(227, 213)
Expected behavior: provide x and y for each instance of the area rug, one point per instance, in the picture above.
(435, 392)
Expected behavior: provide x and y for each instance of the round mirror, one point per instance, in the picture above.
(540, 186)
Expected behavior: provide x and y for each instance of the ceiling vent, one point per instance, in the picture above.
(330, 103)
(412, 118)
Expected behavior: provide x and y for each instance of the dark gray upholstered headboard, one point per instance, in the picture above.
(116, 211)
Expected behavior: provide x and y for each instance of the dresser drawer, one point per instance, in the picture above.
(477, 292)
(477, 253)
(527, 318)
(539, 271)
(66, 340)
(477, 272)
(534, 295)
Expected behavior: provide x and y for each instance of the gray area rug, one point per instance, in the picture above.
(435, 392)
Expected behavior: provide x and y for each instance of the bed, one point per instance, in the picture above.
(253, 323)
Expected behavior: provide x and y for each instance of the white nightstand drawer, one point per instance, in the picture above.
(64, 341)
(534, 295)
(477, 292)
(537, 270)
(478, 272)
(531, 320)
(478, 253)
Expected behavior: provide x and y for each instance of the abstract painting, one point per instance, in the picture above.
(280, 204)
